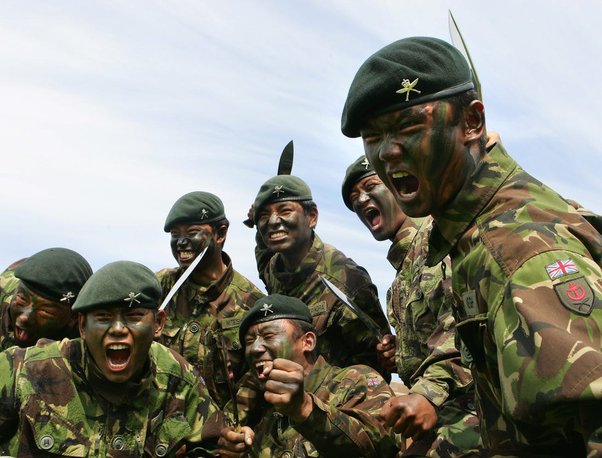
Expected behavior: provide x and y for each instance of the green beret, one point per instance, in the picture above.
(361, 168)
(120, 284)
(274, 307)
(281, 188)
(405, 73)
(57, 274)
(195, 208)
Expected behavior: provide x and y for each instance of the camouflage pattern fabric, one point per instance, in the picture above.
(198, 317)
(419, 304)
(8, 284)
(48, 406)
(528, 284)
(343, 421)
(342, 337)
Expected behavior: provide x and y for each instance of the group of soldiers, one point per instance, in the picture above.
(496, 306)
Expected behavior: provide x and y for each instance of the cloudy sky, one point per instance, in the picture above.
(110, 111)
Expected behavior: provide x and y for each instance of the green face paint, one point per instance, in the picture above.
(118, 340)
(34, 317)
(376, 207)
(419, 154)
(265, 342)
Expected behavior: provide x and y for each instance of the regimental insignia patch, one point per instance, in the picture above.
(576, 295)
(469, 301)
(372, 381)
(561, 268)
(318, 308)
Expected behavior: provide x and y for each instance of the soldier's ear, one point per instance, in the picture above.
(159, 323)
(81, 323)
(309, 340)
(220, 234)
(474, 121)
(312, 216)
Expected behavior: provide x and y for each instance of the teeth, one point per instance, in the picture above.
(117, 347)
(260, 365)
(275, 235)
(399, 174)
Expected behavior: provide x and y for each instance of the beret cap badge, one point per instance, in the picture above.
(67, 297)
(365, 163)
(266, 308)
(204, 213)
(408, 88)
(278, 190)
(132, 298)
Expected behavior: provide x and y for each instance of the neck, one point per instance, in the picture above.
(292, 259)
(210, 269)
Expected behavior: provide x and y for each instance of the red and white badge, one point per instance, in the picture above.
(372, 381)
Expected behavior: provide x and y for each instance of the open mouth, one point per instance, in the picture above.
(185, 256)
(406, 184)
(118, 356)
(372, 217)
(277, 235)
(21, 334)
(263, 369)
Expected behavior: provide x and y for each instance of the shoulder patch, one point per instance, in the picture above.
(317, 308)
(372, 381)
(576, 295)
(561, 268)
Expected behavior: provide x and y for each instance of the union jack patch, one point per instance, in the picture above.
(561, 268)
(372, 381)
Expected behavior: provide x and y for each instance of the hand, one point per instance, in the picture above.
(285, 391)
(385, 352)
(235, 443)
(411, 415)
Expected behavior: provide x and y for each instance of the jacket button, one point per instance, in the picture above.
(46, 442)
(161, 450)
(194, 328)
(287, 454)
(118, 443)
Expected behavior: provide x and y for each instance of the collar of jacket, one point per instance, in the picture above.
(303, 270)
(403, 240)
(491, 172)
(204, 294)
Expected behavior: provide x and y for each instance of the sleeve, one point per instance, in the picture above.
(10, 361)
(262, 257)
(441, 373)
(547, 330)
(346, 424)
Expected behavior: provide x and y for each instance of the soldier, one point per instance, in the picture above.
(309, 408)
(526, 277)
(291, 258)
(204, 315)
(112, 392)
(36, 295)
(439, 411)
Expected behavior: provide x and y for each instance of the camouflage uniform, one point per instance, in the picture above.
(343, 421)
(342, 338)
(65, 415)
(528, 287)
(428, 361)
(8, 284)
(193, 324)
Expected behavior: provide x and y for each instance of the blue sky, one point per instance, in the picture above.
(112, 110)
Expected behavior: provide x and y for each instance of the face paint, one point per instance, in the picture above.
(285, 227)
(118, 340)
(376, 207)
(420, 155)
(265, 342)
(34, 317)
(187, 241)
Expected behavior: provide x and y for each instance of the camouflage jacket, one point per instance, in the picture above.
(342, 337)
(528, 287)
(8, 284)
(198, 317)
(419, 304)
(49, 406)
(343, 421)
